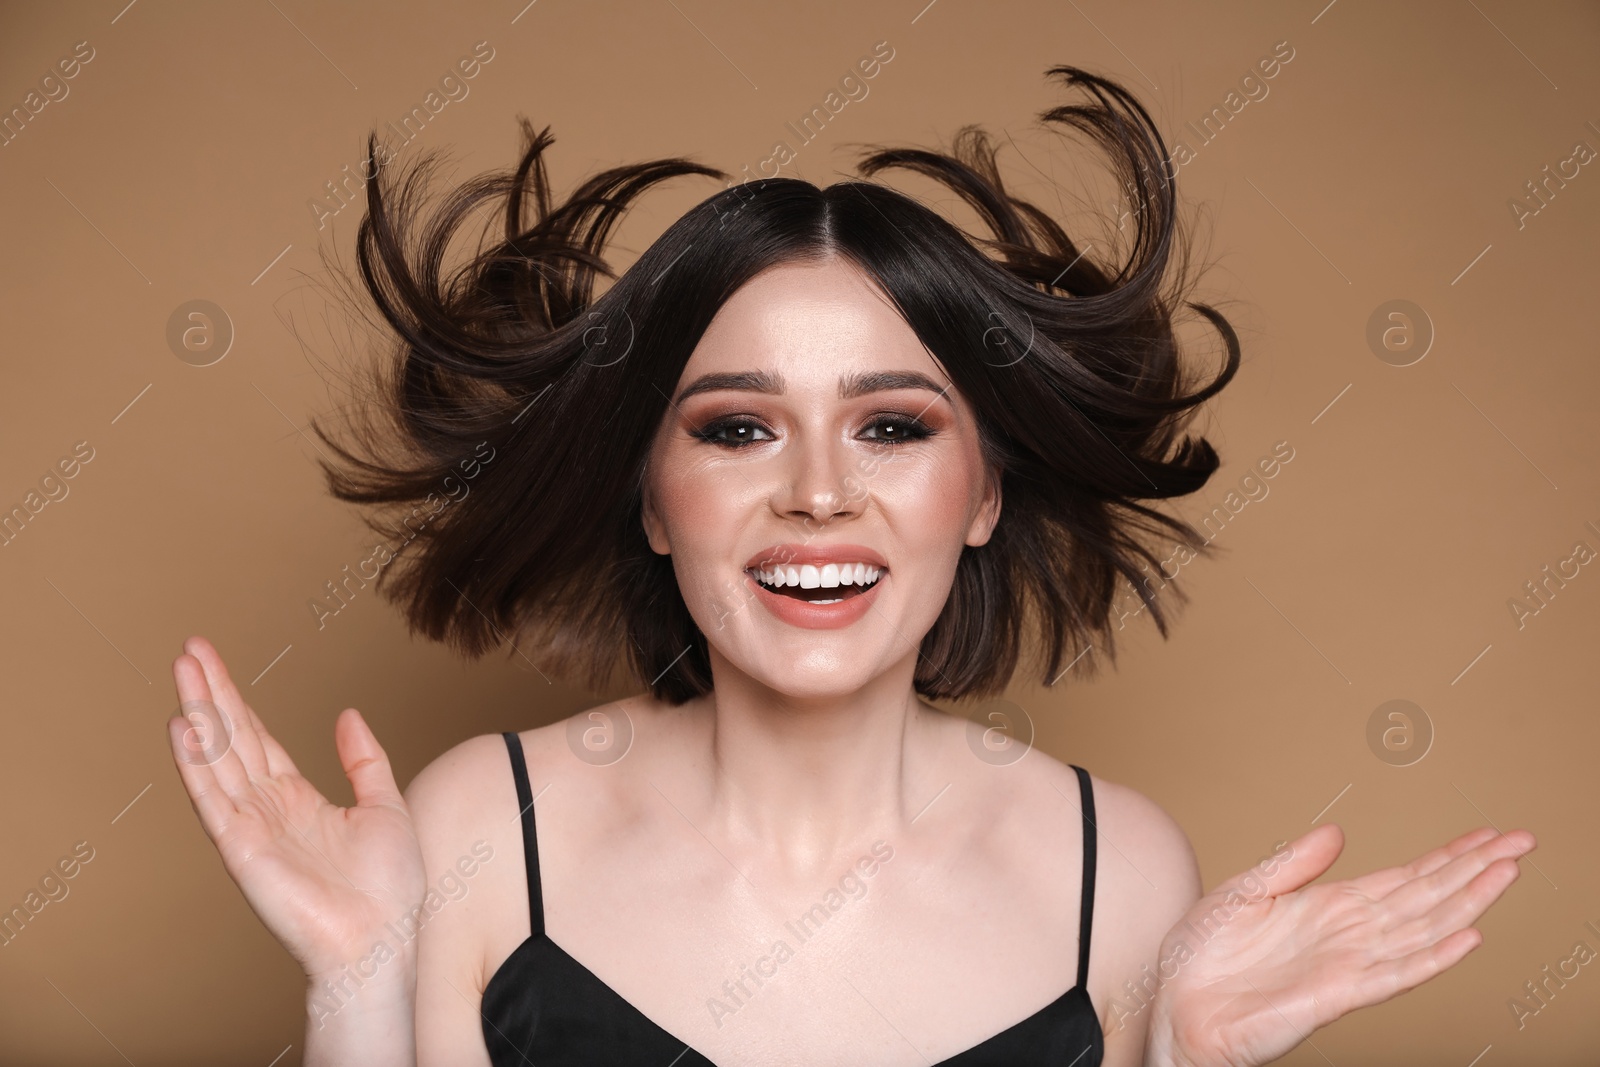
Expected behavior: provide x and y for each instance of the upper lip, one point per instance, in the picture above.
(816, 555)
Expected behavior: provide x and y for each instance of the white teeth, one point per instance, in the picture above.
(828, 576)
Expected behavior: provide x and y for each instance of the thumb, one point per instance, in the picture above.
(1291, 866)
(364, 762)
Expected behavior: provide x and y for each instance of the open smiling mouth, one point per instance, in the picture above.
(832, 583)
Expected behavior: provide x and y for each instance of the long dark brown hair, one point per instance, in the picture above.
(1072, 367)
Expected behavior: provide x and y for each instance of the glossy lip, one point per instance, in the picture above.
(804, 613)
(813, 616)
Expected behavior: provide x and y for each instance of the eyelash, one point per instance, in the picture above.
(916, 430)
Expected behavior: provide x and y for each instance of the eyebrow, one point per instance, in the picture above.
(850, 386)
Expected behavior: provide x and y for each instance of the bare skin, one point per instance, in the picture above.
(669, 870)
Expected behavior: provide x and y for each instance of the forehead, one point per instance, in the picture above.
(811, 323)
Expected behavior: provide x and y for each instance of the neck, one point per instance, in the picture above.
(810, 781)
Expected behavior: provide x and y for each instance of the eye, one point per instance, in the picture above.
(896, 428)
(739, 432)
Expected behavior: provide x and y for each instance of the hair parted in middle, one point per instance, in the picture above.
(1072, 370)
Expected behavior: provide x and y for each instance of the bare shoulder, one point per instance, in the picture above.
(1150, 841)
(1146, 878)
(451, 795)
(468, 793)
(466, 782)
(1143, 853)
(466, 811)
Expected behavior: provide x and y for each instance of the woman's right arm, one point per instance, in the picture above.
(329, 883)
(470, 849)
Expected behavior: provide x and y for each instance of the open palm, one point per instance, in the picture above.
(325, 880)
(1261, 962)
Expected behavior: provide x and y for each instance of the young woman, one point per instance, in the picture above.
(813, 461)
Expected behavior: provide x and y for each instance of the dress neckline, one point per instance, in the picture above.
(537, 934)
(1075, 991)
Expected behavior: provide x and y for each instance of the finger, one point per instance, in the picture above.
(1460, 909)
(277, 760)
(209, 740)
(1388, 980)
(1309, 855)
(1380, 884)
(214, 807)
(1424, 893)
(225, 694)
(365, 763)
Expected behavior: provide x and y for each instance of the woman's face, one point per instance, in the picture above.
(812, 436)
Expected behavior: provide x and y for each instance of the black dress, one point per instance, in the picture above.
(544, 1008)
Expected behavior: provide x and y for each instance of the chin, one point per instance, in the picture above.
(823, 678)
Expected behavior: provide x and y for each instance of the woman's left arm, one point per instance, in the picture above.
(1266, 958)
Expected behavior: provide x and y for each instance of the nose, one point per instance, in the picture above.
(819, 488)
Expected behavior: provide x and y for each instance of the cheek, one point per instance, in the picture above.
(928, 500)
(687, 493)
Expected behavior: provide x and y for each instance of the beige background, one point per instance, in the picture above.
(1380, 165)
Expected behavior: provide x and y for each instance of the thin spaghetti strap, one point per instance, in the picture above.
(1086, 911)
(530, 836)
